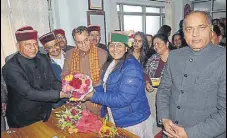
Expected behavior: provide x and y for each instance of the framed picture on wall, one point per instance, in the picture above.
(95, 4)
(98, 18)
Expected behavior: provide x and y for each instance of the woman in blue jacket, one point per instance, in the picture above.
(122, 93)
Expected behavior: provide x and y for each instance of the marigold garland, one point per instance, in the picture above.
(94, 63)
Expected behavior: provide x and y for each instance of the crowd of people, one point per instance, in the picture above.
(190, 101)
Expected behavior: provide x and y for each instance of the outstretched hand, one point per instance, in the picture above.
(88, 96)
(64, 95)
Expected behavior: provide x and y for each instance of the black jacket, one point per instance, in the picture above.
(32, 87)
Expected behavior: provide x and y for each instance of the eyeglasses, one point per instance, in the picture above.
(116, 45)
(48, 48)
(82, 42)
(60, 37)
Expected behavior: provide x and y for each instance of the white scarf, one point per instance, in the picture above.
(107, 73)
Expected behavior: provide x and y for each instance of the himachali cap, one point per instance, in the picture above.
(59, 31)
(93, 28)
(47, 38)
(117, 37)
(22, 34)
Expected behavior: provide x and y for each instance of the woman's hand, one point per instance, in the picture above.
(88, 96)
(149, 87)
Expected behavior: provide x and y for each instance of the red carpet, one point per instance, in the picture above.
(159, 135)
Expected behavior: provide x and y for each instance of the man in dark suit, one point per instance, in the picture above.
(4, 96)
(41, 49)
(31, 84)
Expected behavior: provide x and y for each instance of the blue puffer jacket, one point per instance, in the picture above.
(125, 94)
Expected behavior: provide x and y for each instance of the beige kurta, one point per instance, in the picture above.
(85, 69)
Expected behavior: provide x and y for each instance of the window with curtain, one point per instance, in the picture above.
(18, 13)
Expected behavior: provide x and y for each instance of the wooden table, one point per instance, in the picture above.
(49, 129)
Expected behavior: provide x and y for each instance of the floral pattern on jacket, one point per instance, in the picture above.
(152, 65)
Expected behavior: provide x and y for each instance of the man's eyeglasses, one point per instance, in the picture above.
(52, 47)
(116, 45)
(60, 37)
(82, 42)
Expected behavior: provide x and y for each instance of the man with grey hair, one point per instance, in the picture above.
(191, 99)
(87, 59)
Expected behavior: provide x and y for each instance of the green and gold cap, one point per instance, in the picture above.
(116, 37)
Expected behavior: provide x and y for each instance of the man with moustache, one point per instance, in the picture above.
(54, 52)
(95, 37)
(56, 56)
(41, 49)
(85, 58)
(31, 84)
(191, 99)
(60, 36)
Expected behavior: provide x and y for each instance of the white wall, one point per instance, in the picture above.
(69, 14)
(179, 12)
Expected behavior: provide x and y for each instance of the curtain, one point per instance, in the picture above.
(18, 13)
(7, 37)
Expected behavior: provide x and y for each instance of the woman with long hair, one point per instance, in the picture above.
(140, 47)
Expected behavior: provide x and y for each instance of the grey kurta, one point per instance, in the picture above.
(192, 92)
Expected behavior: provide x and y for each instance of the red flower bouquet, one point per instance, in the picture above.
(78, 85)
(88, 122)
(73, 120)
(69, 117)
